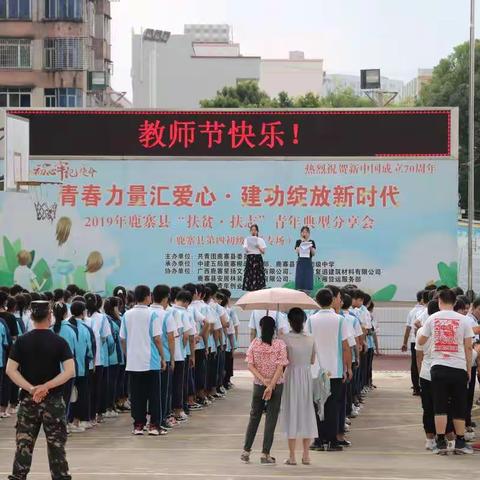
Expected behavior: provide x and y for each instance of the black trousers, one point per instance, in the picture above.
(370, 355)
(228, 368)
(427, 406)
(80, 408)
(328, 428)
(98, 390)
(145, 396)
(113, 387)
(449, 387)
(166, 391)
(470, 395)
(177, 391)
(414, 369)
(221, 368)
(200, 370)
(212, 368)
(363, 369)
(186, 379)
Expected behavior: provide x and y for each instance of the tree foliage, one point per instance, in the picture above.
(449, 87)
(249, 95)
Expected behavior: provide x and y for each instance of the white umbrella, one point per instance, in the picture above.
(279, 299)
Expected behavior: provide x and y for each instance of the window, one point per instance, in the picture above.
(64, 9)
(15, 9)
(14, 53)
(63, 97)
(65, 54)
(15, 97)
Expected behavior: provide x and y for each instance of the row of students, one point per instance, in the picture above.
(446, 329)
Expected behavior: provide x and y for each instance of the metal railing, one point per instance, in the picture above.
(15, 53)
(66, 54)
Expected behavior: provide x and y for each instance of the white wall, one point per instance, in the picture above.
(292, 76)
(168, 75)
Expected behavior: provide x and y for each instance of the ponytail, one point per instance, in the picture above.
(267, 326)
(91, 303)
(59, 312)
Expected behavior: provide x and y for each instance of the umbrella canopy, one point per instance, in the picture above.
(279, 299)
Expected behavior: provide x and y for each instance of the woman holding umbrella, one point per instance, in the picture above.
(254, 247)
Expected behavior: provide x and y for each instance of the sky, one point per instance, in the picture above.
(397, 36)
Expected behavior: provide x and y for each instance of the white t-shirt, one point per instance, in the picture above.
(140, 325)
(411, 317)
(329, 331)
(183, 326)
(422, 316)
(101, 329)
(197, 310)
(427, 355)
(254, 250)
(473, 322)
(24, 277)
(448, 330)
(281, 321)
(350, 324)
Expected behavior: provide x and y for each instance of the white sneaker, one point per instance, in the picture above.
(450, 445)
(430, 444)
(127, 404)
(86, 425)
(469, 436)
(76, 428)
(347, 428)
(182, 417)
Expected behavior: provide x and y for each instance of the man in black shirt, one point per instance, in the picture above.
(34, 365)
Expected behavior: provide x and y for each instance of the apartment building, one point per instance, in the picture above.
(55, 53)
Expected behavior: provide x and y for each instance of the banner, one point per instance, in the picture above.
(388, 226)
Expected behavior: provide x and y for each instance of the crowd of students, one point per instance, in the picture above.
(442, 333)
(159, 354)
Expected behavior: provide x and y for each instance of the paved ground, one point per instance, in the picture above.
(387, 445)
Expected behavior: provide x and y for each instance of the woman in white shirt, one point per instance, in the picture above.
(254, 247)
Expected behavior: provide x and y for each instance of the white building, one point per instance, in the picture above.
(188, 68)
(334, 82)
(178, 71)
(295, 75)
(411, 90)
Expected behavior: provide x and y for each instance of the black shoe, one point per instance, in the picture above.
(334, 447)
(344, 443)
(461, 447)
(472, 424)
(441, 447)
(416, 393)
(316, 447)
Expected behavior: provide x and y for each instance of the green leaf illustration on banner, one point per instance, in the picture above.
(6, 278)
(290, 285)
(17, 245)
(32, 254)
(10, 255)
(386, 294)
(79, 278)
(3, 265)
(448, 274)
(42, 271)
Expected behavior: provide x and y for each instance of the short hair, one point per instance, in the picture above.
(447, 296)
(24, 257)
(141, 293)
(433, 307)
(15, 289)
(200, 290)
(77, 308)
(334, 289)
(58, 294)
(191, 288)
(221, 298)
(48, 296)
(213, 287)
(40, 310)
(184, 296)
(207, 294)
(324, 297)
(73, 288)
(11, 304)
(3, 298)
(173, 293)
(426, 296)
(367, 299)
(458, 291)
(356, 294)
(226, 292)
(296, 319)
(160, 293)
(347, 301)
(476, 303)
(420, 295)
(459, 305)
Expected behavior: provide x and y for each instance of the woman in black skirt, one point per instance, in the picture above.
(254, 247)
(305, 248)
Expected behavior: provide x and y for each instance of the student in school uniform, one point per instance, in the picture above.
(213, 341)
(101, 329)
(79, 419)
(141, 333)
(219, 303)
(182, 300)
(4, 344)
(281, 323)
(232, 336)
(169, 328)
(115, 354)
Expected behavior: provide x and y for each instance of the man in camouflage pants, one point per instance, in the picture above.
(34, 365)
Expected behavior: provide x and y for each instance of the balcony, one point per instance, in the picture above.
(65, 54)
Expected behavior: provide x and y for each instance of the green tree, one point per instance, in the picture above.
(244, 95)
(449, 87)
(345, 98)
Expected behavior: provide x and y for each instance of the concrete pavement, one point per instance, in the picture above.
(387, 445)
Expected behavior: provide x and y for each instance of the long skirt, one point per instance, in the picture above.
(304, 274)
(254, 276)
